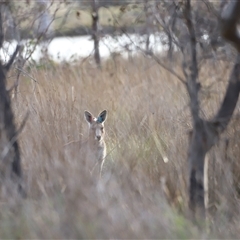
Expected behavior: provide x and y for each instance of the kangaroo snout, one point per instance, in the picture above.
(98, 138)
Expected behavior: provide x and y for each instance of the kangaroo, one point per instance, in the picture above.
(96, 144)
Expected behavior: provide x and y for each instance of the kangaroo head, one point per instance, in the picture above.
(96, 125)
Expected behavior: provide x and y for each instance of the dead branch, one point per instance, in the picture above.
(25, 73)
(229, 20)
(230, 100)
(192, 84)
(156, 59)
(95, 31)
(1, 27)
(7, 66)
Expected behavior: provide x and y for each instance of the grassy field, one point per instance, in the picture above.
(143, 191)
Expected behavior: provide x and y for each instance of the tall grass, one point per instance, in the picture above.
(143, 191)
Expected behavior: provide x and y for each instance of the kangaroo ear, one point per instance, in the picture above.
(88, 116)
(102, 116)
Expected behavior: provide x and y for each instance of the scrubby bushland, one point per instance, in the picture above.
(143, 192)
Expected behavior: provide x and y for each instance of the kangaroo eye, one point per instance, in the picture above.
(101, 128)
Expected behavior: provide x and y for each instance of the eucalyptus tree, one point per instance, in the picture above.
(199, 29)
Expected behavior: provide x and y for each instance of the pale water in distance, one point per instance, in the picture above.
(72, 48)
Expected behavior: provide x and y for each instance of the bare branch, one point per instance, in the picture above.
(7, 66)
(211, 8)
(1, 27)
(192, 84)
(95, 31)
(156, 59)
(229, 19)
(168, 69)
(231, 98)
(24, 72)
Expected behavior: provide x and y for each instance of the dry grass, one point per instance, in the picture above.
(143, 192)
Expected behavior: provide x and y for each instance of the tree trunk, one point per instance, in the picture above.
(197, 174)
(44, 28)
(10, 162)
(204, 136)
(95, 32)
(206, 133)
(9, 149)
(148, 24)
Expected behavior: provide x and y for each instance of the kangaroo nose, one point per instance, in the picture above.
(98, 138)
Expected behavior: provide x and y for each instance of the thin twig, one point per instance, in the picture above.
(152, 55)
(157, 60)
(66, 144)
(26, 74)
(23, 123)
(168, 69)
